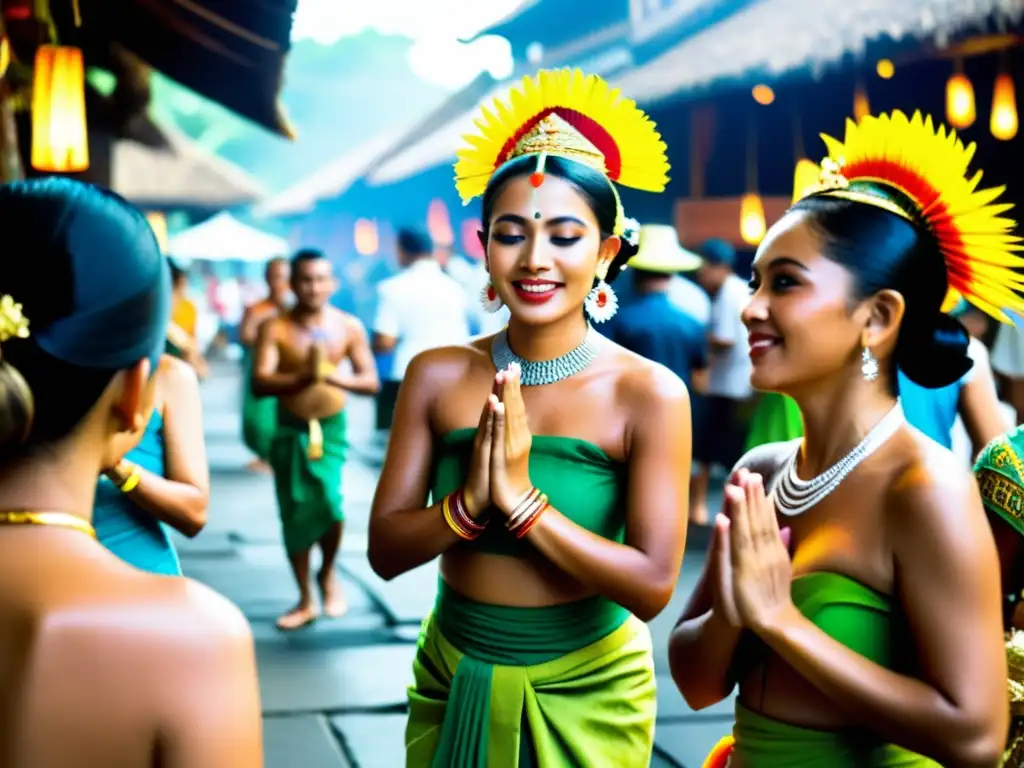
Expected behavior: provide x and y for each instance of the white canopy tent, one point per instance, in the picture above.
(225, 238)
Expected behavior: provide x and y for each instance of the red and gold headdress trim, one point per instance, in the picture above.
(929, 167)
(564, 113)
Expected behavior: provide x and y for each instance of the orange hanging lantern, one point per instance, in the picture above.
(861, 104)
(1003, 122)
(805, 176)
(752, 222)
(366, 238)
(439, 224)
(960, 112)
(59, 136)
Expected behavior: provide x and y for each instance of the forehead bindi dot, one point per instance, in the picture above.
(536, 215)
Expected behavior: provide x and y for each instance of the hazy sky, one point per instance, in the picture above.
(435, 25)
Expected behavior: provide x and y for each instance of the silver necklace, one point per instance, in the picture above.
(793, 496)
(535, 373)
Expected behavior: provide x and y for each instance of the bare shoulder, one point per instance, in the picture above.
(931, 490)
(651, 395)
(436, 369)
(645, 384)
(766, 460)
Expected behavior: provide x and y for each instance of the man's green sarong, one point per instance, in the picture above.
(308, 489)
(259, 415)
(555, 687)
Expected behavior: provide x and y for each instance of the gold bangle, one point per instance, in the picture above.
(446, 511)
(132, 481)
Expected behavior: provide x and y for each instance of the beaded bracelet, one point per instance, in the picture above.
(453, 507)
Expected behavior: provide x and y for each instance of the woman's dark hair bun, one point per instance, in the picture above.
(17, 409)
(933, 354)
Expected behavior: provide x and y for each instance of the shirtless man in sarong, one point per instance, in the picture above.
(297, 359)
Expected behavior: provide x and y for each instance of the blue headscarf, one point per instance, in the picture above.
(119, 281)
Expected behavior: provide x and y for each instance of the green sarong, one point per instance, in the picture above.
(259, 414)
(308, 488)
(763, 742)
(776, 419)
(555, 687)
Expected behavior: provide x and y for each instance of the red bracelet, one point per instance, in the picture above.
(461, 514)
(525, 527)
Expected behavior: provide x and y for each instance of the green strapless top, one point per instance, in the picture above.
(581, 481)
(861, 619)
(849, 612)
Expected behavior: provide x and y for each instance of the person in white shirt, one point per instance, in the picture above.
(720, 431)
(418, 309)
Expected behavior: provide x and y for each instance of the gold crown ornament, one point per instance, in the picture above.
(927, 168)
(565, 113)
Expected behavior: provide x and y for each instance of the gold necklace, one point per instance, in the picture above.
(60, 519)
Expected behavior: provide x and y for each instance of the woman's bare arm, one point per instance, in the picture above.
(702, 646)
(181, 496)
(641, 574)
(948, 588)
(404, 533)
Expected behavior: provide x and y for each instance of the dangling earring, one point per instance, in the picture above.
(601, 303)
(869, 365)
(490, 299)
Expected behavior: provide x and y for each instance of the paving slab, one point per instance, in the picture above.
(334, 680)
(406, 599)
(372, 741)
(306, 741)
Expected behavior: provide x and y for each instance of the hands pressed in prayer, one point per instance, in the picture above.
(510, 447)
(755, 573)
(477, 492)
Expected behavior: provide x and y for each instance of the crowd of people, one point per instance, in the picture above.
(862, 589)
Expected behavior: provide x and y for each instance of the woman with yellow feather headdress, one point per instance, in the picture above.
(556, 460)
(852, 589)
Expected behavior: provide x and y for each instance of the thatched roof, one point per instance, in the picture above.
(772, 37)
(765, 38)
(182, 175)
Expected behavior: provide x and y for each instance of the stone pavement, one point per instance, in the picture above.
(334, 693)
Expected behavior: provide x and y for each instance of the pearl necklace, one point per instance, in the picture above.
(535, 373)
(793, 496)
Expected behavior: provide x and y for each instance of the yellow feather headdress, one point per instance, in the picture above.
(928, 166)
(564, 113)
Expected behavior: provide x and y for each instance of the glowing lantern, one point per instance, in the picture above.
(366, 239)
(158, 223)
(861, 105)
(959, 100)
(471, 245)
(1003, 122)
(439, 224)
(59, 137)
(752, 223)
(885, 69)
(804, 177)
(5, 55)
(763, 95)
